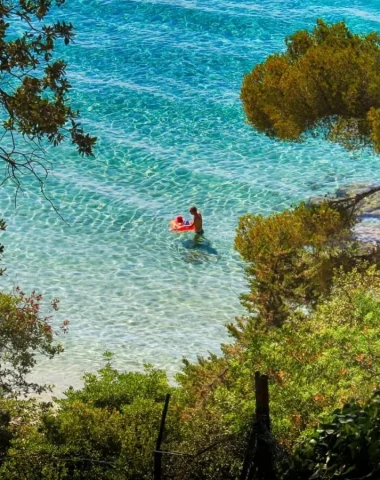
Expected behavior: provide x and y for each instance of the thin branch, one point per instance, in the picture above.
(353, 201)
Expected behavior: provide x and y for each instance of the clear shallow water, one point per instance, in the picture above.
(158, 83)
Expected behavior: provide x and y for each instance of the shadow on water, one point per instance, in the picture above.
(198, 249)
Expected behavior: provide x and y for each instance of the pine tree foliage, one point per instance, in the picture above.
(327, 82)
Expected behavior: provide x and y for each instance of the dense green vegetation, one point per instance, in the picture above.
(346, 445)
(312, 324)
(326, 82)
(107, 430)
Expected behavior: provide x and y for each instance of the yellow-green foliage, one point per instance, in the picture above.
(315, 362)
(291, 257)
(327, 81)
(106, 430)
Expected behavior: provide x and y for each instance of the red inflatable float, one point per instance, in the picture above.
(180, 225)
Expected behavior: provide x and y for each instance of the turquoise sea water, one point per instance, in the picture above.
(158, 83)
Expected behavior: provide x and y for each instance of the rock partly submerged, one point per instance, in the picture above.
(367, 230)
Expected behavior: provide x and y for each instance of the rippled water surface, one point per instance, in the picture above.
(158, 83)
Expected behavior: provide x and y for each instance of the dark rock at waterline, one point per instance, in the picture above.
(367, 230)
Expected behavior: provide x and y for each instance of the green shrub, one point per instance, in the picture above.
(109, 388)
(106, 430)
(345, 446)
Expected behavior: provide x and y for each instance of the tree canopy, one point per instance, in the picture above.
(35, 109)
(291, 256)
(327, 82)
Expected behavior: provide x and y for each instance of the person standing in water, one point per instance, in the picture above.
(197, 222)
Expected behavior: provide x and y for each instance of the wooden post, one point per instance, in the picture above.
(157, 453)
(262, 399)
(264, 453)
(259, 458)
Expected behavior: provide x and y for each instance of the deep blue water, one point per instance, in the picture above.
(158, 83)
